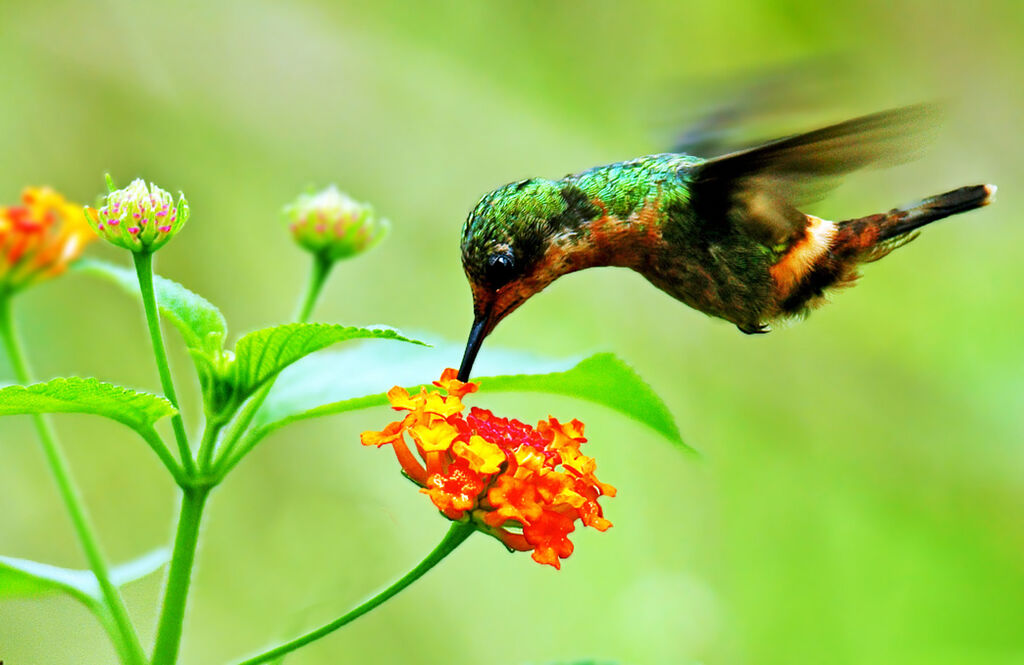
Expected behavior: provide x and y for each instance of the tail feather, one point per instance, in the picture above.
(868, 239)
(901, 221)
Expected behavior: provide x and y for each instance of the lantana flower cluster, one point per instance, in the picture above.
(39, 237)
(526, 486)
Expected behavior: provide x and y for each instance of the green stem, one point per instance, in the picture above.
(229, 460)
(106, 619)
(208, 444)
(179, 576)
(124, 636)
(319, 272)
(144, 270)
(458, 533)
(150, 436)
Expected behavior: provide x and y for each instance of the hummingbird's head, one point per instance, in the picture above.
(508, 249)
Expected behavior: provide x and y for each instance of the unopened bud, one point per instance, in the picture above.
(331, 224)
(139, 218)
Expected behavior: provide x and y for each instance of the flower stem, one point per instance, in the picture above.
(179, 576)
(321, 268)
(458, 533)
(144, 270)
(122, 632)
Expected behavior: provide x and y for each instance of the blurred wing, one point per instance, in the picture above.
(759, 188)
(756, 100)
(713, 133)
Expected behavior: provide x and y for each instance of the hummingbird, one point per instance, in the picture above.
(723, 235)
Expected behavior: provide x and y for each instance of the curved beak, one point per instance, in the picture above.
(476, 339)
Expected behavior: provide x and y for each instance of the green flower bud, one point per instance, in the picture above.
(138, 218)
(331, 224)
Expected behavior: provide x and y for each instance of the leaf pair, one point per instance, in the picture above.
(259, 356)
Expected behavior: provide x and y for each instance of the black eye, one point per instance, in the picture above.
(501, 269)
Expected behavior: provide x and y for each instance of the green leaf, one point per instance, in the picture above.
(357, 372)
(140, 411)
(201, 325)
(602, 378)
(348, 376)
(261, 355)
(140, 567)
(21, 578)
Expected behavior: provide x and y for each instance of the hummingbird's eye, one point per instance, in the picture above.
(501, 269)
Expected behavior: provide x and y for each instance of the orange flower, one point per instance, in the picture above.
(39, 237)
(525, 486)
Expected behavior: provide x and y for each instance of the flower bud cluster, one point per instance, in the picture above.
(331, 224)
(139, 218)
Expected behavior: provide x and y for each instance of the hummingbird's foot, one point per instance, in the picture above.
(756, 329)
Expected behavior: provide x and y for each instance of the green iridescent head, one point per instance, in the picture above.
(507, 232)
(514, 244)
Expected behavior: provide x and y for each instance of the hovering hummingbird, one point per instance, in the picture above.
(723, 235)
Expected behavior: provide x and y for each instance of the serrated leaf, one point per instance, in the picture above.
(22, 578)
(201, 324)
(602, 378)
(140, 411)
(261, 355)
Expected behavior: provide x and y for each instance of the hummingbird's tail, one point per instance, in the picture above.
(870, 238)
(852, 242)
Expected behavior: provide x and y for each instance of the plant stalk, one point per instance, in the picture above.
(319, 272)
(124, 636)
(179, 576)
(208, 444)
(144, 270)
(456, 535)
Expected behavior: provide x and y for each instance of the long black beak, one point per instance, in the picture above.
(476, 338)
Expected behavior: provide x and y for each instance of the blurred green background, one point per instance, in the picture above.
(861, 491)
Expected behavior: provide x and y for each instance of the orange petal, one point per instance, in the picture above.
(441, 405)
(482, 455)
(550, 537)
(436, 436)
(454, 491)
(400, 399)
(512, 499)
(387, 435)
(453, 386)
